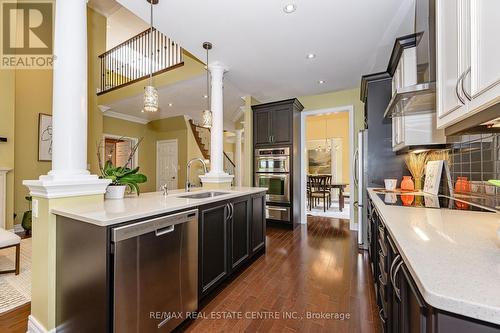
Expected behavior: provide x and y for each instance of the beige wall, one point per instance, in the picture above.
(332, 126)
(7, 116)
(96, 30)
(33, 96)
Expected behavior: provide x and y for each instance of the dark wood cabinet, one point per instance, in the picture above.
(275, 123)
(262, 127)
(212, 245)
(282, 125)
(230, 232)
(258, 223)
(240, 230)
(402, 309)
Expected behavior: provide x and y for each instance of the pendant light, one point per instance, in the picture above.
(150, 93)
(327, 147)
(207, 114)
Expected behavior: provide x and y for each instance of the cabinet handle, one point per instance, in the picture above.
(380, 314)
(469, 97)
(457, 90)
(396, 289)
(232, 209)
(394, 262)
(228, 212)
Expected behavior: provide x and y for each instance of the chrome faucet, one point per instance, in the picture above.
(188, 168)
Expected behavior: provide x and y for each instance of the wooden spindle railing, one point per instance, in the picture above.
(129, 62)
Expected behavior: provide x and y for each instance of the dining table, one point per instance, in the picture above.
(334, 185)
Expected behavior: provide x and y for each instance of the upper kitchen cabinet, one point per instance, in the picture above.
(413, 103)
(468, 70)
(274, 122)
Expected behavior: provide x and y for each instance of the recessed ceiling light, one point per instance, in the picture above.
(170, 104)
(311, 56)
(290, 8)
(205, 96)
(321, 81)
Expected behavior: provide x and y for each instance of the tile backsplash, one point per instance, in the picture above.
(476, 157)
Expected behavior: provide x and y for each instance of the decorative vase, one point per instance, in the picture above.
(407, 184)
(115, 192)
(26, 222)
(462, 185)
(407, 199)
(419, 183)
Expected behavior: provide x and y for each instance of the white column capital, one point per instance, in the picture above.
(217, 67)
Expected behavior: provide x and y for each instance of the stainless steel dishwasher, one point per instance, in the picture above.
(155, 273)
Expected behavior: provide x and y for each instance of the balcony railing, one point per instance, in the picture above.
(130, 61)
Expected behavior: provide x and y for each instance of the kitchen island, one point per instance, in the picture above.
(436, 270)
(145, 262)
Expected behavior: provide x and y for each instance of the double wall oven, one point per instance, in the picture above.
(272, 170)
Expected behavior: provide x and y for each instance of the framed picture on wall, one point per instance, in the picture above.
(44, 137)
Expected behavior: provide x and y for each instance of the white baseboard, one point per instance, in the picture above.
(35, 327)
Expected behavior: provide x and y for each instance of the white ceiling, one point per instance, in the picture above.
(266, 49)
(187, 98)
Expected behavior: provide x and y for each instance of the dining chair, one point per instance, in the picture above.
(319, 190)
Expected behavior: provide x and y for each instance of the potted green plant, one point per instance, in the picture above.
(27, 217)
(121, 176)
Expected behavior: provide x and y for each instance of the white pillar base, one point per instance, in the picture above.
(59, 187)
(214, 181)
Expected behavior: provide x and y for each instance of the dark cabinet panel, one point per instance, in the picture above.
(213, 236)
(402, 308)
(262, 127)
(281, 132)
(258, 223)
(240, 234)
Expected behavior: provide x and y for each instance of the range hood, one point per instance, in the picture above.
(421, 97)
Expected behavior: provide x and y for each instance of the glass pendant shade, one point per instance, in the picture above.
(207, 119)
(150, 99)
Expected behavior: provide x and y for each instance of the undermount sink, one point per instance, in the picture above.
(202, 195)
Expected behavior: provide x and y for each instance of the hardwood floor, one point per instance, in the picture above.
(15, 320)
(315, 269)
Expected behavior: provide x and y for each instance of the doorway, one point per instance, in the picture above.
(167, 164)
(117, 150)
(327, 163)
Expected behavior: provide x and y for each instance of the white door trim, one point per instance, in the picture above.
(116, 137)
(303, 115)
(156, 165)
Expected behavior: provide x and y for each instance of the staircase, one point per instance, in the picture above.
(202, 137)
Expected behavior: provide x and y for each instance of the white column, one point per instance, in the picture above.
(217, 174)
(217, 71)
(69, 95)
(69, 110)
(238, 158)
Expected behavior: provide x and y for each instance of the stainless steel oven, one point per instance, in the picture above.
(272, 160)
(278, 186)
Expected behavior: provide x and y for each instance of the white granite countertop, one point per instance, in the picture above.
(453, 256)
(135, 207)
